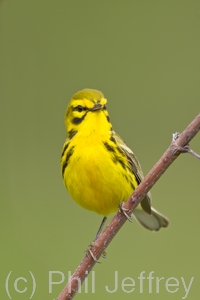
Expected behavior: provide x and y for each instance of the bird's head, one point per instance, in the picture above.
(87, 111)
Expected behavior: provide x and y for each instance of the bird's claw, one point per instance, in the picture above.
(89, 251)
(124, 211)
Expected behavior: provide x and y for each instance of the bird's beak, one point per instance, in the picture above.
(97, 106)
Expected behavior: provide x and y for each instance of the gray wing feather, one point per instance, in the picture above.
(136, 169)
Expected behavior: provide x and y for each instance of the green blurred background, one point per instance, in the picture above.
(144, 56)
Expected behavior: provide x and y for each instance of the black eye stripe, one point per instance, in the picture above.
(79, 108)
(77, 121)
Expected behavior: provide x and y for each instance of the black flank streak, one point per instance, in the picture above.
(64, 149)
(121, 163)
(118, 160)
(108, 119)
(132, 185)
(72, 133)
(125, 177)
(69, 154)
(112, 139)
(120, 151)
(108, 147)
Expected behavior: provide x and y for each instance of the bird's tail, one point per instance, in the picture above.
(153, 222)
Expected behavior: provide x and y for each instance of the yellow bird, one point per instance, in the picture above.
(99, 170)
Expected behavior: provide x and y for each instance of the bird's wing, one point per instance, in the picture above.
(136, 169)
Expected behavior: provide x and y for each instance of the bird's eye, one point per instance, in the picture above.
(104, 107)
(79, 108)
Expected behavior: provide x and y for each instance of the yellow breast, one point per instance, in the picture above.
(94, 180)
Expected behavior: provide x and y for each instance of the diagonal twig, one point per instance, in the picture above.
(178, 146)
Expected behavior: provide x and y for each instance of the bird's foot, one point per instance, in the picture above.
(124, 211)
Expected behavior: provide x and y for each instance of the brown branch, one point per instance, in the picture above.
(178, 145)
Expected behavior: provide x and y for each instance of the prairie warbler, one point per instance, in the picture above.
(98, 169)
